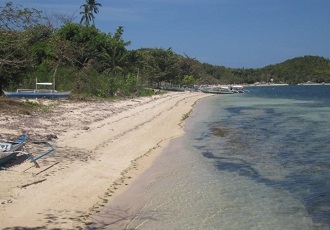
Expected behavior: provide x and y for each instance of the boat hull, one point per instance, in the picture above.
(12, 153)
(31, 94)
(217, 92)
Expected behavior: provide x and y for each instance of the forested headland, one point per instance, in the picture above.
(90, 62)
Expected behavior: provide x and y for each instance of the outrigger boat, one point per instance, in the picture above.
(10, 149)
(34, 159)
(224, 89)
(238, 89)
(39, 93)
(217, 90)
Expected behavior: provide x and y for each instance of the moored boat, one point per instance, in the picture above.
(217, 90)
(238, 89)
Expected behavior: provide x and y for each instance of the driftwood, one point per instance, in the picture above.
(47, 168)
(36, 182)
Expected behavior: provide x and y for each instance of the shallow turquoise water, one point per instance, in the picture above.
(259, 160)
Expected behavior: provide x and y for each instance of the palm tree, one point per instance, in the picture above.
(87, 16)
(90, 7)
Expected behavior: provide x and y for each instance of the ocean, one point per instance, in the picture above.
(258, 160)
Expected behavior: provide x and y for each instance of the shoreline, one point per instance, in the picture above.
(101, 148)
(129, 208)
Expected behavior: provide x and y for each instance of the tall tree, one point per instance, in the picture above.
(89, 8)
(18, 29)
(87, 16)
(160, 66)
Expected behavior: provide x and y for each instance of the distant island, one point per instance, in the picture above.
(299, 70)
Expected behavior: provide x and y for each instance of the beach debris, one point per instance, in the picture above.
(47, 168)
(50, 137)
(35, 182)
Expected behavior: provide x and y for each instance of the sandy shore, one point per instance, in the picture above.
(100, 148)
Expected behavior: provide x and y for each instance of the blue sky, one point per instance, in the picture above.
(231, 33)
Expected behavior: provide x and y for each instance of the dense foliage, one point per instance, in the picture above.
(90, 62)
(301, 69)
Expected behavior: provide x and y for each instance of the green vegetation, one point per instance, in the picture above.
(300, 69)
(93, 63)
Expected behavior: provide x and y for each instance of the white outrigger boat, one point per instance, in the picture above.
(217, 90)
(238, 89)
(9, 150)
(224, 89)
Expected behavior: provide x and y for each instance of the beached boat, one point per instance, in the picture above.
(10, 149)
(217, 90)
(39, 93)
(36, 93)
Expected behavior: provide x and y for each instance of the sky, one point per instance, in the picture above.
(230, 33)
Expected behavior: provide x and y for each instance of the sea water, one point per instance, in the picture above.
(259, 160)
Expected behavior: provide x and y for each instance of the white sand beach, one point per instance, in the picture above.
(100, 148)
